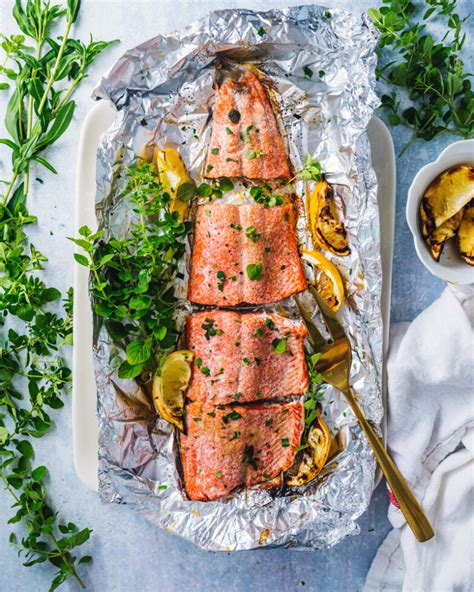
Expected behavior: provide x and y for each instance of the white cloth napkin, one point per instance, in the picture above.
(431, 437)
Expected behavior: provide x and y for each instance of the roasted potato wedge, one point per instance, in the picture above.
(325, 224)
(438, 237)
(465, 236)
(446, 196)
(309, 461)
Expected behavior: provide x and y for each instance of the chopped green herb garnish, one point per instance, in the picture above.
(321, 73)
(210, 329)
(247, 133)
(209, 168)
(261, 31)
(246, 361)
(229, 131)
(221, 280)
(234, 415)
(285, 442)
(254, 271)
(252, 154)
(279, 345)
(308, 72)
(249, 456)
(215, 151)
(269, 323)
(234, 116)
(234, 436)
(251, 234)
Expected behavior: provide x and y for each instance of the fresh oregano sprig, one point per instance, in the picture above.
(41, 73)
(132, 280)
(432, 92)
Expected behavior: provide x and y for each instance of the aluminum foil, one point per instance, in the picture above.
(163, 90)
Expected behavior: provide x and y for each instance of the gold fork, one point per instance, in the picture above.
(334, 365)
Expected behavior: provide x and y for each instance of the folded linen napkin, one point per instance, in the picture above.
(431, 437)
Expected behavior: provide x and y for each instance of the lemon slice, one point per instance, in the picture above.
(169, 385)
(173, 175)
(329, 282)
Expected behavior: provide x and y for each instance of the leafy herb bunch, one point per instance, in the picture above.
(131, 279)
(430, 72)
(41, 73)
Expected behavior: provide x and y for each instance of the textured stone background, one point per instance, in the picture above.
(130, 554)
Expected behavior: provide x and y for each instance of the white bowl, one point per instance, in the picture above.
(450, 268)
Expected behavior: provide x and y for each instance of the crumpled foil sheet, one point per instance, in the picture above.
(163, 90)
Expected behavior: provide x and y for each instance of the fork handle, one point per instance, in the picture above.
(411, 509)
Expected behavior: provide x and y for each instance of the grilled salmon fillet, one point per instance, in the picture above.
(236, 357)
(246, 253)
(245, 140)
(229, 446)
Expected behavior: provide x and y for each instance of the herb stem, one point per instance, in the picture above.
(29, 125)
(10, 187)
(52, 76)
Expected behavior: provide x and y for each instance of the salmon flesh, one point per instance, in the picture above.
(242, 358)
(246, 253)
(245, 140)
(227, 447)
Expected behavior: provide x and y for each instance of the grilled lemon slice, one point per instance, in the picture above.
(325, 223)
(311, 460)
(169, 385)
(328, 280)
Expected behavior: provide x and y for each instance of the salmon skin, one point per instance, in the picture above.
(241, 358)
(227, 447)
(245, 140)
(246, 253)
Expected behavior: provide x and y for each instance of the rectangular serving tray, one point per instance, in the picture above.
(84, 396)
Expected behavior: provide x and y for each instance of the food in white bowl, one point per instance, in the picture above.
(439, 213)
(442, 208)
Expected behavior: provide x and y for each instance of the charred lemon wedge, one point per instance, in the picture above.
(169, 386)
(438, 237)
(465, 237)
(326, 227)
(310, 461)
(328, 280)
(174, 179)
(446, 196)
(442, 207)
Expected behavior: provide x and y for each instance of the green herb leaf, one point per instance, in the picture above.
(186, 192)
(129, 371)
(254, 271)
(137, 352)
(279, 345)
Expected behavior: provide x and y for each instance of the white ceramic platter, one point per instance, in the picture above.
(98, 120)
